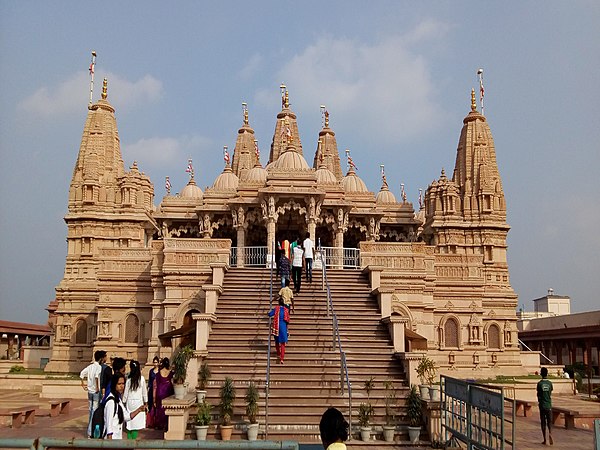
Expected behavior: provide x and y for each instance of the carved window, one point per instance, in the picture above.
(494, 337)
(451, 333)
(132, 329)
(81, 332)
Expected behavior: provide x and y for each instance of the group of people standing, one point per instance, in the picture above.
(299, 256)
(129, 403)
(293, 257)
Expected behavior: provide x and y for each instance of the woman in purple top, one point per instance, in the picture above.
(163, 388)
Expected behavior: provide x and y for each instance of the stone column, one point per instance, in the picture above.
(396, 326)
(270, 241)
(241, 242)
(312, 230)
(203, 327)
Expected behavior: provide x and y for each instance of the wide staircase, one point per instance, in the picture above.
(309, 380)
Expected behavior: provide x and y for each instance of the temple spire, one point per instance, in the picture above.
(473, 101)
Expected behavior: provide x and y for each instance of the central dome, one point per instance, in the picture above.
(227, 180)
(290, 159)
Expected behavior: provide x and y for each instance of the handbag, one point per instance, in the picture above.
(150, 421)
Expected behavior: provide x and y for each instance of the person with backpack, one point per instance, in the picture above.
(115, 411)
(118, 365)
(90, 382)
(135, 395)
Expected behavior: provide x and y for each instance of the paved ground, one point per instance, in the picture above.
(74, 425)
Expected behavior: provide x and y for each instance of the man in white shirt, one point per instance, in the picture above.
(297, 260)
(308, 257)
(90, 382)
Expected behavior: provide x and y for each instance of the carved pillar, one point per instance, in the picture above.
(203, 327)
(241, 242)
(271, 242)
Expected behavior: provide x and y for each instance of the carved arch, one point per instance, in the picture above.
(450, 332)
(492, 336)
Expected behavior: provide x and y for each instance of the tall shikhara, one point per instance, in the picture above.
(108, 208)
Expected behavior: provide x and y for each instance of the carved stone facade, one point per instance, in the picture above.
(136, 272)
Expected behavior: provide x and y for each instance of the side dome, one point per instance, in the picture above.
(325, 176)
(385, 196)
(352, 182)
(227, 180)
(256, 175)
(191, 190)
(290, 159)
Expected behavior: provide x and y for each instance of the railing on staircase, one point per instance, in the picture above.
(268, 375)
(341, 258)
(336, 340)
(248, 256)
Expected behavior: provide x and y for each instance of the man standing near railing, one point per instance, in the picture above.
(297, 260)
(309, 246)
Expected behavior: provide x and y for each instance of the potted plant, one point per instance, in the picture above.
(390, 402)
(252, 398)
(366, 411)
(414, 414)
(180, 365)
(203, 377)
(227, 395)
(434, 388)
(203, 418)
(423, 372)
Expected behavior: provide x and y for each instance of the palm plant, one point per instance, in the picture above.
(227, 394)
(180, 364)
(252, 398)
(413, 407)
(204, 375)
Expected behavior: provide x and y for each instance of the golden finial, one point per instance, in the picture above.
(283, 91)
(245, 109)
(105, 89)
(287, 99)
(326, 119)
(473, 102)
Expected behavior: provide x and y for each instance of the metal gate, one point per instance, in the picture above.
(477, 415)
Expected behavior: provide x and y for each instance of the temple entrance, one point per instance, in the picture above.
(353, 236)
(291, 225)
(325, 234)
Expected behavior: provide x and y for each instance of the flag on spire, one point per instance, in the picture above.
(402, 192)
(420, 198)
(225, 155)
(168, 185)
(256, 150)
(190, 168)
(481, 88)
(351, 163)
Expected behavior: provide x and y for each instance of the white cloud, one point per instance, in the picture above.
(169, 152)
(385, 87)
(252, 67)
(72, 95)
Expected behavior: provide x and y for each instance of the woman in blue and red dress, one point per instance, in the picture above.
(279, 328)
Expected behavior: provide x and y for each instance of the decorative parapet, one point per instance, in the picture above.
(125, 260)
(397, 256)
(195, 253)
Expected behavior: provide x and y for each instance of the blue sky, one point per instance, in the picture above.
(395, 76)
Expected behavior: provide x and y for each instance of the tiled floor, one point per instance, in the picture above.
(73, 425)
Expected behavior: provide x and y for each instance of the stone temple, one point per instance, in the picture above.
(141, 279)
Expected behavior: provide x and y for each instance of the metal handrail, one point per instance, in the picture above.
(524, 345)
(268, 375)
(341, 257)
(336, 337)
